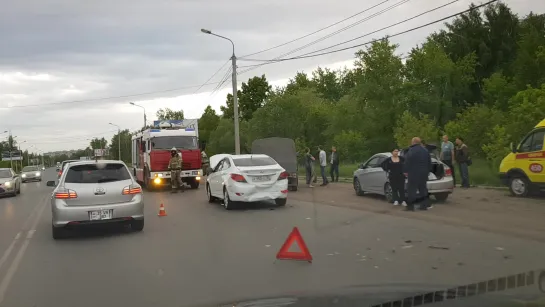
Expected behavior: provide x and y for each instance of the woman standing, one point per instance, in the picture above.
(394, 167)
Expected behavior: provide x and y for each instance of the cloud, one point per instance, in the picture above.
(59, 58)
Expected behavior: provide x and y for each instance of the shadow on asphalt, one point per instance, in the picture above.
(93, 232)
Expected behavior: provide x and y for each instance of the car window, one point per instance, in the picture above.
(97, 173)
(373, 162)
(219, 166)
(533, 142)
(254, 161)
(30, 168)
(380, 160)
(4, 173)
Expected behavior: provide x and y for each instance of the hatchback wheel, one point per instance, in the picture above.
(58, 232)
(441, 196)
(388, 192)
(137, 225)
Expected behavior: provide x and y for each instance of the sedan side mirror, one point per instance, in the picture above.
(51, 183)
(361, 166)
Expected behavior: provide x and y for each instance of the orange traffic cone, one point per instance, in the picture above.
(162, 211)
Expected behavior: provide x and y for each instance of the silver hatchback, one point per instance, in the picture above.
(96, 192)
(371, 178)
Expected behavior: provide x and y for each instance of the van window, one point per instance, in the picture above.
(533, 142)
(97, 173)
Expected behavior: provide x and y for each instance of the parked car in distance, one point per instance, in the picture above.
(95, 192)
(31, 173)
(10, 182)
(246, 178)
(371, 178)
(63, 164)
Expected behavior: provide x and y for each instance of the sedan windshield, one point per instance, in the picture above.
(30, 168)
(5, 173)
(97, 173)
(254, 161)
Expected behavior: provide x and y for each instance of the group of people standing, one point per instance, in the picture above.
(416, 165)
(322, 156)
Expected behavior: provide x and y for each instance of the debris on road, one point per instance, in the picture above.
(406, 246)
(438, 247)
(500, 248)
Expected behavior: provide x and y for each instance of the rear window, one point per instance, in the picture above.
(254, 161)
(97, 173)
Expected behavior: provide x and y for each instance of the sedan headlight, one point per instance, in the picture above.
(38, 173)
(7, 184)
(24, 176)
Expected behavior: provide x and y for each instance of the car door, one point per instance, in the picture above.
(215, 179)
(369, 173)
(531, 156)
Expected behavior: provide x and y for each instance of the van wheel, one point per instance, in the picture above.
(388, 192)
(441, 196)
(357, 187)
(519, 186)
(193, 183)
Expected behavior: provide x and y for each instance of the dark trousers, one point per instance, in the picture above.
(417, 190)
(334, 172)
(398, 188)
(451, 166)
(308, 174)
(464, 173)
(324, 177)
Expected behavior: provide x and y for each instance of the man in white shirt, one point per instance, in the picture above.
(323, 164)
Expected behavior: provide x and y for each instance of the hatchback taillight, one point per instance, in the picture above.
(238, 178)
(132, 190)
(65, 194)
(448, 172)
(283, 175)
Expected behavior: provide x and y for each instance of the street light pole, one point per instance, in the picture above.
(145, 119)
(118, 140)
(234, 83)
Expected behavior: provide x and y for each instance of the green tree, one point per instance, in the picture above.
(125, 137)
(97, 143)
(410, 126)
(207, 124)
(251, 97)
(169, 114)
(222, 140)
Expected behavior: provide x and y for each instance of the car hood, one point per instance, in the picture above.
(4, 180)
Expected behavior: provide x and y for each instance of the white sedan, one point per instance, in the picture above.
(246, 178)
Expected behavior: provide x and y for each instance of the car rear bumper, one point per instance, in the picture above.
(245, 192)
(444, 185)
(64, 215)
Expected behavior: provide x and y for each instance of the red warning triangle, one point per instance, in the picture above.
(284, 252)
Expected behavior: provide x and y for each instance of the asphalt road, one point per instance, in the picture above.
(201, 254)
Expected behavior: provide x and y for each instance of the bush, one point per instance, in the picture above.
(410, 126)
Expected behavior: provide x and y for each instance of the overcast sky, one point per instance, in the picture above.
(60, 60)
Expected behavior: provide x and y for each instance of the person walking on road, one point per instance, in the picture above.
(417, 167)
(447, 155)
(463, 159)
(394, 167)
(334, 171)
(175, 166)
(309, 162)
(323, 163)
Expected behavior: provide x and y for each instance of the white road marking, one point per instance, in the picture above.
(12, 269)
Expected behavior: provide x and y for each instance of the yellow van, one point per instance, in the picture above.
(523, 170)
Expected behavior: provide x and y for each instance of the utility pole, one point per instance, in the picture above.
(235, 98)
(10, 142)
(119, 140)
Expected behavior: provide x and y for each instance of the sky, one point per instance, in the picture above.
(70, 68)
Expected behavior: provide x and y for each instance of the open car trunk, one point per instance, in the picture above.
(437, 168)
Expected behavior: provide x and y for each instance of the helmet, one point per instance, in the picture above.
(173, 149)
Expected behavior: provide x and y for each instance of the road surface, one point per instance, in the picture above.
(201, 254)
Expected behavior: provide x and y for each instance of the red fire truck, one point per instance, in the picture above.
(151, 153)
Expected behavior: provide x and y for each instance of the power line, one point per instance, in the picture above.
(110, 97)
(225, 78)
(317, 31)
(372, 41)
(217, 71)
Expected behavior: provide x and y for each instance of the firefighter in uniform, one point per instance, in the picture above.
(175, 166)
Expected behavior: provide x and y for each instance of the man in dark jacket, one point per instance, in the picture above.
(334, 161)
(417, 167)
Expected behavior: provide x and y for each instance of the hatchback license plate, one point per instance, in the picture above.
(100, 215)
(262, 178)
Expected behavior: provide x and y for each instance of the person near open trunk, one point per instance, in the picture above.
(334, 161)
(309, 167)
(447, 155)
(417, 166)
(463, 160)
(393, 166)
(323, 163)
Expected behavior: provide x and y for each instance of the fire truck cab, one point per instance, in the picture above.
(151, 153)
